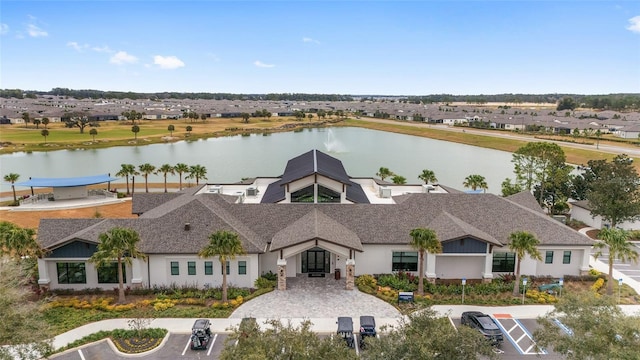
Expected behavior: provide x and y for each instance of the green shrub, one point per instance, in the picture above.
(263, 283)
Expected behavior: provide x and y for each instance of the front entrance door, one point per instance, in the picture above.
(316, 260)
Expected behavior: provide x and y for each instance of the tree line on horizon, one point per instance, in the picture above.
(617, 102)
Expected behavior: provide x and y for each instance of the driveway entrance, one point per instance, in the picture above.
(315, 297)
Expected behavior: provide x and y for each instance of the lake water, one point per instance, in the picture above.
(229, 159)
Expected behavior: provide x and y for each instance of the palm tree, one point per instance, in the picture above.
(45, 133)
(475, 182)
(424, 240)
(26, 118)
(428, 176)
(400, 180)
(617, 241)
(189, 129)
(45, 121)
(12, 178)
(245, 117)
(145, 170)
(18, 243)
(165, 169)
(135, 129)
(171, 128)
(127, 170)
(384, 173)
(523, 243)
(120, 244)
(37, 123)
(197, 172)
(181, 168)
(225, 245)
(93, 133)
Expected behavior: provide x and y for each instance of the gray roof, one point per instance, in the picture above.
(526, 199)
(486, 217)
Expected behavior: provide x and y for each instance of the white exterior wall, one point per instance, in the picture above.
(557, 268)
(268, 262)
(48, 270)
(71, 192)
(460, 266)
(377, 259)
(160, 270)
(584, 215)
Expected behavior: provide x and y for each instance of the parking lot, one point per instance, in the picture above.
(628, 268)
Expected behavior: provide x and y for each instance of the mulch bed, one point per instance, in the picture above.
(136, 345)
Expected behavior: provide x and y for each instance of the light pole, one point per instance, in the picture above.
(464, 282)
(619, 288)
(524, 288)
(561, 283)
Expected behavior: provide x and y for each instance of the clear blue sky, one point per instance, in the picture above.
(337, 47)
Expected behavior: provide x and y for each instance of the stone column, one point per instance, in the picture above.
(351, 274)
(282, 274)
(431, 268)
(487, 274)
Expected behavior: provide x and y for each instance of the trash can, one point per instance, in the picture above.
(337, 274)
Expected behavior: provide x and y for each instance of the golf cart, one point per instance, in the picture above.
(200, 334)
(345, 330)
(367, 328)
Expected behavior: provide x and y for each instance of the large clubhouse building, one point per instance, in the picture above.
(313, 220)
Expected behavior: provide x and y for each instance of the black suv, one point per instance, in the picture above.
(200, 334)
(485, 324)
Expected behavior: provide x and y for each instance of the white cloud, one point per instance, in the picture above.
(310, 40)
(259, 63)
(77, 47)
(4, 29)
(35, 31)
(167, 62)
(103, 49)
(634, 24)
(121, 57)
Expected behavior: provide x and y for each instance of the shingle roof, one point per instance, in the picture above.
(449, 227)
(526, 199)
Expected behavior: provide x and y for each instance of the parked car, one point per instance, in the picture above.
(367, 328)
(345, 330)
(200, 334)
(483, 323)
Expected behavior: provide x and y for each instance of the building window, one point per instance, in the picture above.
(175, 268)
(503, 262)
(548, 257)
(208, 267)
(228, 269)
(242, 268)
(108, 274)
(566, 257)
(71, 273)
(404, 261)
(303, 195)
(191, 267)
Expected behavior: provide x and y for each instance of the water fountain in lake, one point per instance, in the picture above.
(333, 145)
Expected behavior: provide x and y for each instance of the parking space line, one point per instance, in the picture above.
(520, 338)
(512, 340)
(212, 343)
(452, 323)
(186, 346)
(355, 344)
(514, 326)
(81, 354)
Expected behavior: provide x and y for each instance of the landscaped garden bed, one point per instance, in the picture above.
(126, 341)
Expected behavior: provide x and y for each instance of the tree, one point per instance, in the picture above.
(523, 243)
(384, 173)
(145, 170)
(135, 129)
(133, 116)
(12, 178)
(93, 133)
(566, 103)
(45, 121)
(428, 176)
(189, 129)
(226, 246)
(400, 180)
(18, 243)
(127, 170)
(594, 328)
(424, 240)
(310, 117)
(37, 123)
(171, 128)
(245, 117)
(120, 244)
(197, 172)
(279, 341)
(536, 162)
(509, 188)
(616, 241)
(613, 189)
(45, 133)
(415, 338)
(21, 316)
(166, 169)
(598, 135)
(475, 181)
(26, 118)
(77, 119)
(181, 168)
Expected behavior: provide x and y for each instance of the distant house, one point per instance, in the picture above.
(5, 121)
(313, 220)
(581, 211)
